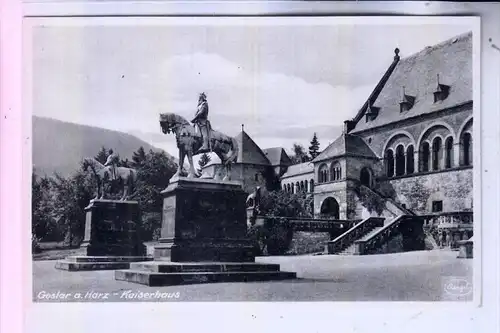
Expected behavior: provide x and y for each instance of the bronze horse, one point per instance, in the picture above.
(189, 141)
(125, 177)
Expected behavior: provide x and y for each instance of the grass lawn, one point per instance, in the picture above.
(55, 251)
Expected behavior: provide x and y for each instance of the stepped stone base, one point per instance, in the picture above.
(95, 263)
(158, 273)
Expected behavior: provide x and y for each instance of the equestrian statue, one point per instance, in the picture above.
(198, 139)
(112, 176)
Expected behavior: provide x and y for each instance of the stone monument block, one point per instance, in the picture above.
(112, 228)
(203, 239)
(204, 220)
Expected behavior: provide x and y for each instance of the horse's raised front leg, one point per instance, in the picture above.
(192, 173)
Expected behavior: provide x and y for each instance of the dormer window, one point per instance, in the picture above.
(371, 112)
(441, 91)
(406, 102)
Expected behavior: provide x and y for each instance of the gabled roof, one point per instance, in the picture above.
(346, 145)
(277, 156)
(451, 60)
(248, 151)
(298, 169)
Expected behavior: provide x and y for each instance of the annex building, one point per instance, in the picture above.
(409, 148)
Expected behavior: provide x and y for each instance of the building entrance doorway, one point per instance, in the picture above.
(330, 208)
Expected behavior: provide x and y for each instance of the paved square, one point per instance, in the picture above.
(410, 276)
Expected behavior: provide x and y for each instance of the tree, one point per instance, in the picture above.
(125, 163)
(153, 177)
(42, 222)
(204, 159)
(102, 155)
(299, 154)
(314, 147)
(138, 157)
(71, 196)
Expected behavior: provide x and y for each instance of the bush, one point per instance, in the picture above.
(275, 236)
(150, 226)
(35, 245)
(279, 236)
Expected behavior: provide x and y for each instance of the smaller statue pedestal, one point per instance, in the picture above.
(203, 239)
(111, 237)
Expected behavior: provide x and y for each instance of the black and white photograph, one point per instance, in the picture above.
(257, 159)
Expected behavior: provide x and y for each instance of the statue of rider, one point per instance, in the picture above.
(201, 120)
(112, 162)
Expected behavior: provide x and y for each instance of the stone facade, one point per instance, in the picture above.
(453, 188)
(410, 144)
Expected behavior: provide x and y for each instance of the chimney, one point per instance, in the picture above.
(348, 126)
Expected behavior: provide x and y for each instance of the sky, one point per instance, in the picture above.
(283, 82)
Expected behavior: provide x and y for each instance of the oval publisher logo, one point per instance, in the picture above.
(458, 287)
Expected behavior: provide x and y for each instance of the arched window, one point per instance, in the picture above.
(302, 186)
(389, 163)
(323, 174)
(467, 148)
(424, 157)
(365, 177)
(311, 185)
(293, 188)
(410, 163)
(335, 171)
(297, 187)
(436, 153)
(400, 160)
(449, 152)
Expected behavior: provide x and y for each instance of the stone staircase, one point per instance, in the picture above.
(344, 244)
(351, 249)
(373, 235)
(392, 206)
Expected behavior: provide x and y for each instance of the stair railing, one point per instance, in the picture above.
(382, 236)
(359, 230)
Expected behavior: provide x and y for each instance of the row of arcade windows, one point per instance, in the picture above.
(302, 186)
(430, 156)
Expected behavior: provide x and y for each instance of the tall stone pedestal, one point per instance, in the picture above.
(111, 237)
(203, 239)
(204, 220)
